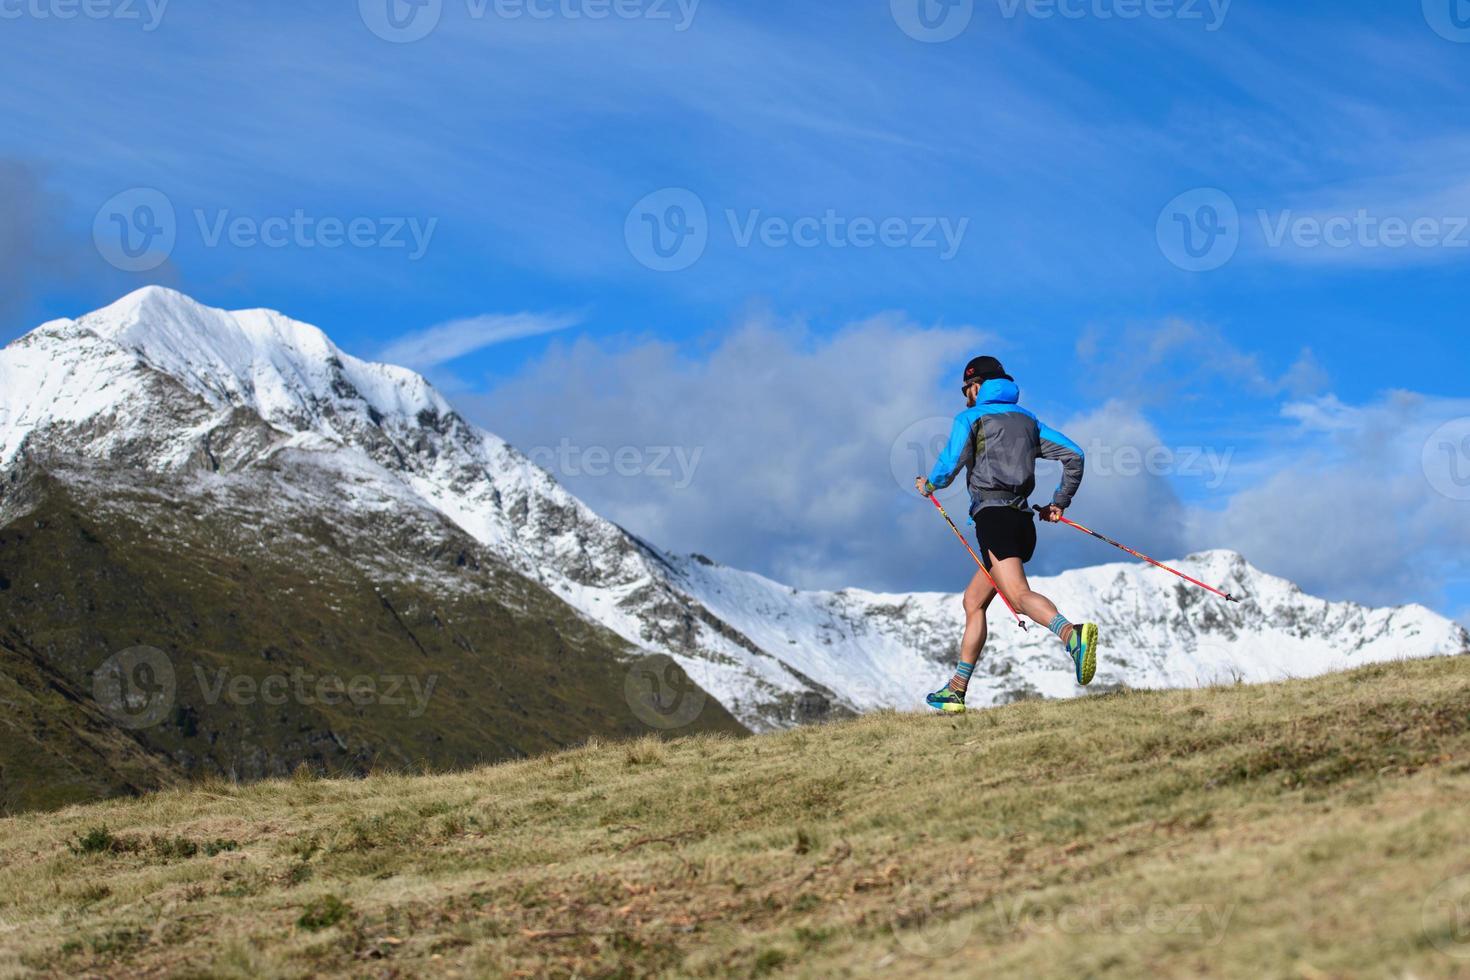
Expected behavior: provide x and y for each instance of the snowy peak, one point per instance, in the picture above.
(157, 382)
(256, 358)
(160, 370)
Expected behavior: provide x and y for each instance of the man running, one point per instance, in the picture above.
(998, 442)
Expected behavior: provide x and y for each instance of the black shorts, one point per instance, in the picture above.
(1005, 532)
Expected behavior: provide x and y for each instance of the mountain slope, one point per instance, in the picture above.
(1241, 831)
(1157, 631)
(57, 746)
(276, 635)
(163, 385)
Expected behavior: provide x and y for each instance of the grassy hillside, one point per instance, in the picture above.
(1309, 829)
(263, 616)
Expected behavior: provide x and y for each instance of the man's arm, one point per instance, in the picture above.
(1058, 447)
(958, 453)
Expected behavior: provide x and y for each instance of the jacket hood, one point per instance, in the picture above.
(999, 390)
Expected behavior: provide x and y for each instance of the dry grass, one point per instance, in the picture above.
(1303, 829)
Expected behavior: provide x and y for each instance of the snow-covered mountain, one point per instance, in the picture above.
(161, 384)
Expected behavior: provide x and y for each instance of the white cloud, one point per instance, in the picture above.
(1353, 506)
(452, 340)
(803, 446)
(795, 434)
(1177, 356)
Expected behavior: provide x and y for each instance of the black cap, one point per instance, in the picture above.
(983, 369)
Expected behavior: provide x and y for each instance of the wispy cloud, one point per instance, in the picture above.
(769, 495)
(450, 341)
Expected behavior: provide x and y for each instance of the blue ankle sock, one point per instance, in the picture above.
(1059, 625)
(962, 674)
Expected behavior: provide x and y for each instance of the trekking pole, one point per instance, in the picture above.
(1021, 622)
(1135, 554)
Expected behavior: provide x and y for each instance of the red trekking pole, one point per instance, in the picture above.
(1135, 554)
(935, 500)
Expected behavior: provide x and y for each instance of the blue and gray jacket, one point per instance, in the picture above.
(999, 442)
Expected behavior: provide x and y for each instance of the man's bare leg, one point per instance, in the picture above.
(978, 596)
(1010, 576)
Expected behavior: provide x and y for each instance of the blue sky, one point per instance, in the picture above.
(1215, 231)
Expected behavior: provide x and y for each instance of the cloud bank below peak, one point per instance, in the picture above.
(804, 447)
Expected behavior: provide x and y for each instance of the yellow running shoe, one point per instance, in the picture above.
(1082, 645)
